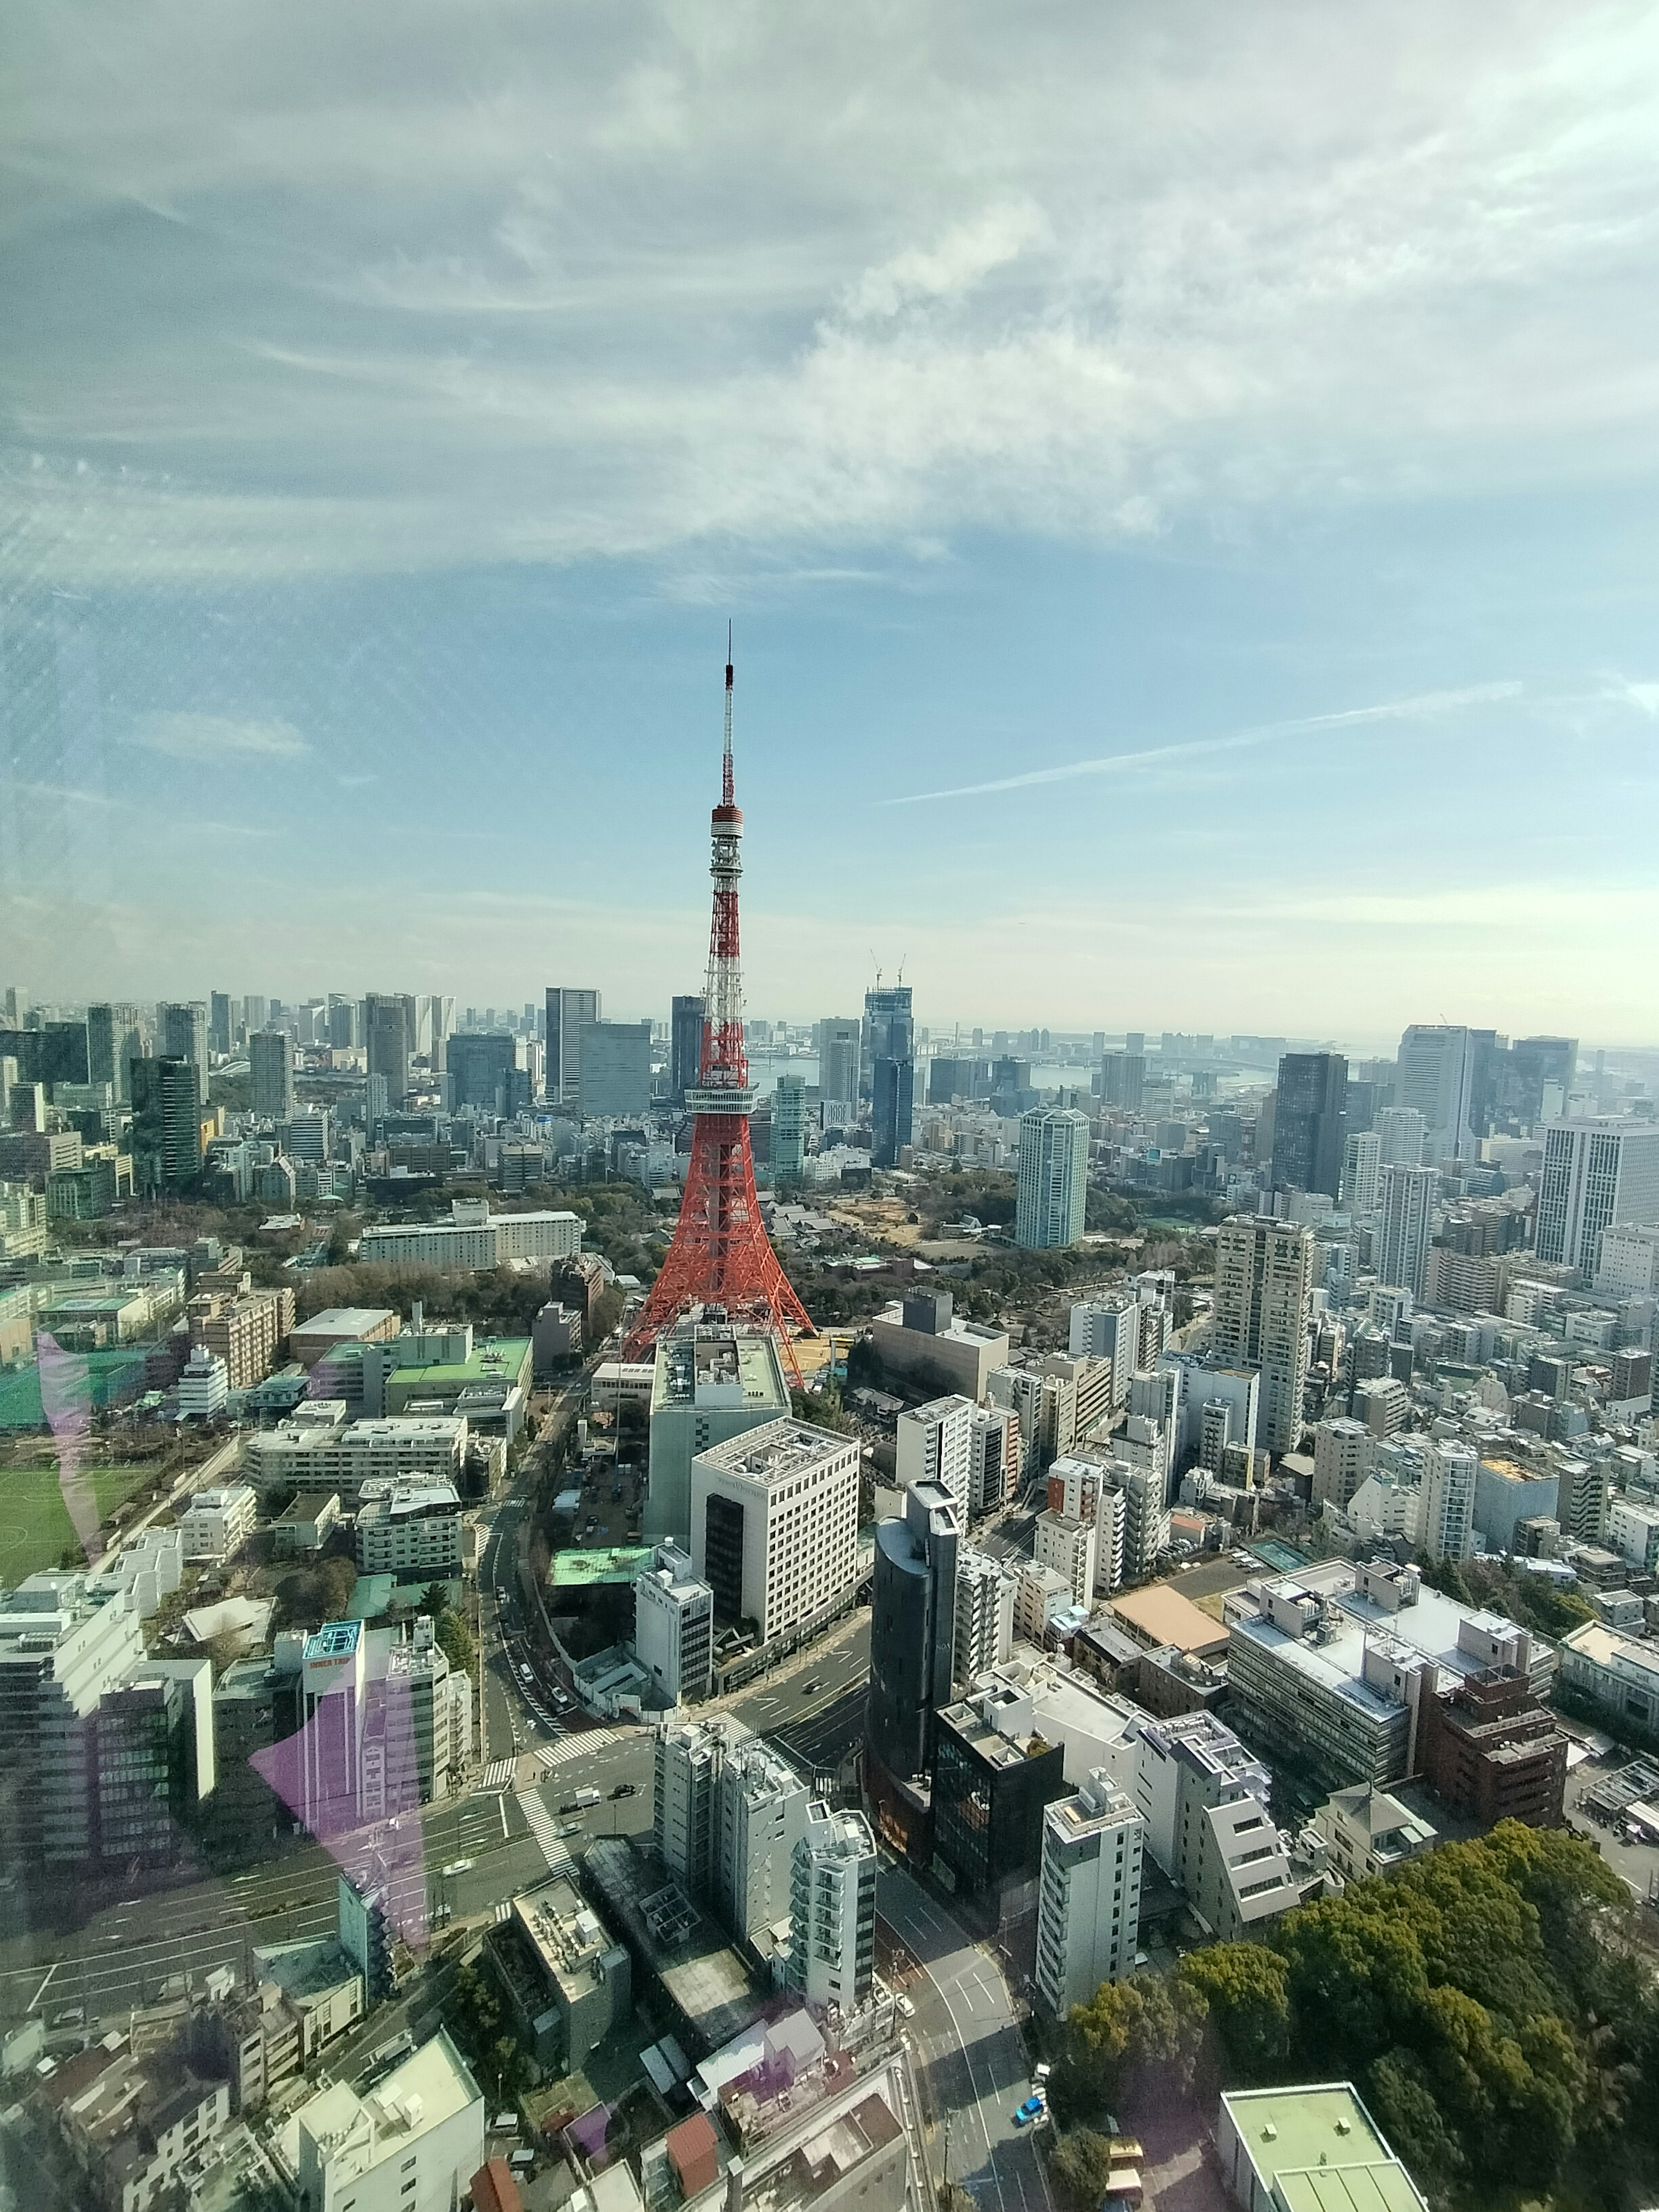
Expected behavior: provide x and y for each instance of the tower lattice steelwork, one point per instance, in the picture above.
(721, 1254)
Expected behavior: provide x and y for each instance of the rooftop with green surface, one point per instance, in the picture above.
(1316, 2148)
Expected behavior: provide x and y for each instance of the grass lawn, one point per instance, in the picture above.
(34, 1523)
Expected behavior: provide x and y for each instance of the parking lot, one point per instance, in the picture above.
(1611, 1780)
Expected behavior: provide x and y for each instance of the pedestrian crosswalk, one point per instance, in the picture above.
(503, 1909)
(574, 1747)
(545, 1831)
(498, 1775)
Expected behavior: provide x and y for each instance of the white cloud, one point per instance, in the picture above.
(216, 738)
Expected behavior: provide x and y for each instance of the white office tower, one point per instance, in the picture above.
(689, 1760)
(1054, 1177)
(775, 1518)
(762, 1810)
(1263, 1291)
(994, 1457)
(1449, 1484)
(1068, 1547)
(1405, 1226)
(986, 1590)
(1362, 1163)
(203, 1385)
(1598, 1174)
(1088, 1900)
(832, 1937)
(934, 1443)
(1434, 1074)
(1085, 1491)
(1107, 1329)
(1400, 1133)
(674, 1626)
(1630, 1262)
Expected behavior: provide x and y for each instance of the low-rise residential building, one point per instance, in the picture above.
(934, 1443)
(216, 1523)
(130, 2123)
(1367, 1831)
(409, 1528)
(1069, 1546)
(986, 1590)
(1089, 1895)
(1245, 1870)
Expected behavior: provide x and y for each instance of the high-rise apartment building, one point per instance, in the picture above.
(789, 1129)
(1405, 1226)
(761, 1807)
(1107, 1329)
(1401, 1133)
(271, 1070)
(1089, 1892)
(1599, 1173)
(181, 1033)
(1436, 1074)
(567, 1011)
(994, 1457)
(167, 1126)
(389, 1043)
(986, 1590)
(889, 1054)
(832, 1939)
(1448, 1487)
(690, 1758)
(1122, 1080)
(1052, 1189)
(1263, 1292)
(840, 1060)
(1311, 1121)
(1068, 1547)
(1362, 1166)
(685, 1045)
(934, 1443)
(913, 1628)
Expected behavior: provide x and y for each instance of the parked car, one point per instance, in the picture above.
(1030, 2111)
(907, 2008)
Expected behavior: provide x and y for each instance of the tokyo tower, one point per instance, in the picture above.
(721, 1254)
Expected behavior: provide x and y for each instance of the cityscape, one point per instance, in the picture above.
(829, 1109)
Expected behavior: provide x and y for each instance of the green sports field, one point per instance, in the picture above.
(34, 1522)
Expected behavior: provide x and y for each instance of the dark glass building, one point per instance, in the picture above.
(993, 1775)
(1310, 1121)
(684, 1046)
(912, 1625)
(167, 1126)
(889, 1054)
(480, 1066)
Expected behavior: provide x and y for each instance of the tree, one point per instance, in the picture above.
(1247, 1989)
(1081, 2166)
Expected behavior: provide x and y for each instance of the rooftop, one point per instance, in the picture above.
(1164, 1615)
(775, 1451)
(608, 1563)
(712, 1364)
(1321, 2148)
(345, 1321)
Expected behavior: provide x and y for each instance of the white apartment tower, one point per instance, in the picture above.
(1599, 1173)
(1089, 1900)
(690, 1758)
(1405, 1226)
(1448, 1484)
(1362, 1163)
(1054, 1176)
(1263, 1291)
(986, 1590)
(1107, 1329)
(1068, 1547)
(832, 1940)
(674, 1626)
(760, 1809)
(934, 1443)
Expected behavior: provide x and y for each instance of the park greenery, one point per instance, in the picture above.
(449, 1627)
(1501, 1585)
(1491, 2002)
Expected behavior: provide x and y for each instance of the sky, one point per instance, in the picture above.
(1181, 479)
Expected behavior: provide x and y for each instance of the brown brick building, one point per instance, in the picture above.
(1490, 1751)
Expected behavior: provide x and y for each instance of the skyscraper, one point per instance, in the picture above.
(1436, 1074)
(1599, 1173)
(1054, 1177)
(115, 1037)
(1534, 1064)
(477, 1065)
(840, 1040)
(219, 1020)
(913, 1628)
(1263, 1290)
(182, 1033)
(567, 1011)
(889, 1053)
(1362, 1164)
(1400, 1131)
(1310, 1121)
(1405, 1226)
(389, 1044)
(685, 1045)
(167, 1126)
(789, 1129)
(270, 1068)
(1122, 1079)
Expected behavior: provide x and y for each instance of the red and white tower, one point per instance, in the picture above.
(721, 1254)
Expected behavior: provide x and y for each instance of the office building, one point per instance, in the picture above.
(684, 1046)
(479, 1067)
(410, 1529)
(788, 1129)
(760, 1809)
(1329, 1668)
(1362, 1169)
(412, 2144)
(321, 1453)
(839, 1062)
(1263, 1293)
(674, 1627)
(987, 1591)
(473, 1237)
(567, 1983)
(1122, 1080)
(614, 1072)
(924, 1341)
(167, 1127)
(1537, 1070)
(888, 1049)
(1490, 1752)
(832, 1936)
(203, 1385)
(181, 1033)
(690, 1758)
(270, 1070)
(1506, 1495)
(993, 1771)
(1599, 1174)
(1300, 2145)
(115, 1038)
(1448, 1485)
(389, 1044)
(568, 1013)
(1435, 1076)
(709, 1382)
(1054, 1176)
(993, 1458)
(1311, 1121)
(1089, 1895)
(774, 1526)
(1608, 1675)
(1405, 1226)
(934, 1443)
(913, 1628)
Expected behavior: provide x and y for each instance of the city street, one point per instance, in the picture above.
(971, 2060)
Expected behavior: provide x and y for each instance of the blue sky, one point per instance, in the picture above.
(1182, 479)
